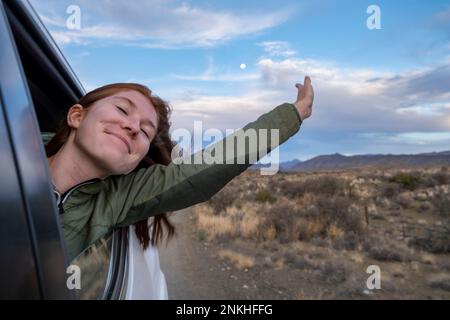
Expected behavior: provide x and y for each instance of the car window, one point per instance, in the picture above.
(94, 264)
(104, 260)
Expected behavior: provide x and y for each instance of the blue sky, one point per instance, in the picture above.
(377, 91)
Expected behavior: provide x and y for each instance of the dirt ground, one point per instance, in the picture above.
(193, 270)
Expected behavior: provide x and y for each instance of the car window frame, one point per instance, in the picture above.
(49, 253)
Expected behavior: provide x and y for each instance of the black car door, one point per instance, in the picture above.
(33, 258)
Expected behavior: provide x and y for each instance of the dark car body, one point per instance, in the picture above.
(37, 86)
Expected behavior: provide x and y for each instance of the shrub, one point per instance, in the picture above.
(239, 260)
(333, 272)
(441, 178)
(311, 229)
(223, 199)
(441, 204)
(201, 235)
(349, 241)
(324, 185)
(384, 250)
(212, 226)
(407, 181)
(281, 220)
(433, 243)
(440, 281)
(404, 200)
(340, 211)
(332, 221)
(265, 196)
(389, 190)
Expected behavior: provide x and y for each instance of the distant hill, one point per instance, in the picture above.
(284, 166)
(289, 165)
(339, 161)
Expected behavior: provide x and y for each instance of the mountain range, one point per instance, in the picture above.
(339, 161)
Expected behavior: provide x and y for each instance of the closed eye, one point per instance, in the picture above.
(121, 109)
(145, 133)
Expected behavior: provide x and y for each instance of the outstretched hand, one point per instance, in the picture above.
(305, 98)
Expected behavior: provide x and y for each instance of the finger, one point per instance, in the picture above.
(307, 81)
(299, 87)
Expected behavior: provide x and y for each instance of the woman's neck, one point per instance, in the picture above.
(69, 168)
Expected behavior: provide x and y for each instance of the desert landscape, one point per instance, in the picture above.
(312, 235)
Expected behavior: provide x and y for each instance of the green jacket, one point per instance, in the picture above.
(91, 209)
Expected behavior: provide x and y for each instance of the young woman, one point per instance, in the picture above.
(110, 162)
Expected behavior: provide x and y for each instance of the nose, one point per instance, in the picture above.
(131, 126)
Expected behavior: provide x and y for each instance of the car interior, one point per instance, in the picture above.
(52, 89)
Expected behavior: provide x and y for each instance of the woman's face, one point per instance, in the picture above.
(116, 131)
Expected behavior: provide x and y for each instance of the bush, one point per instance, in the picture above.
(265, 196)
(440, 281)
(441, 204)
(382, 250)
(407, 181)
(201, 235)
(222, 199)
(333, 272)
(338, 210)
(324, 185)
(389, 190)
(441, 178)
(436, 179)
(432, 243)
(282, 218)
(332, 221)
(350, 241)
(404, 200)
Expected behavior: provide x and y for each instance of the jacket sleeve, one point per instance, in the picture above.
(160, 188)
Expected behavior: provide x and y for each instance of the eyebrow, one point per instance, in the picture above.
(148, 121)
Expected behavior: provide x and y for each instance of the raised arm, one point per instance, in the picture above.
(160, 188)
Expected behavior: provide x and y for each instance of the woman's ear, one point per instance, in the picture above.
(75, 115)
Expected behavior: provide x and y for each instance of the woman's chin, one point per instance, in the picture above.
(115, 161)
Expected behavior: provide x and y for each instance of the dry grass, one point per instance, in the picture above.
(213, 225)
(440, 281)
(239, 260)
(332, 225)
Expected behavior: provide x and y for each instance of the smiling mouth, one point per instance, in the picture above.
(121, 139)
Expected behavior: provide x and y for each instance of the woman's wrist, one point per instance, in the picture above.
(301, 110)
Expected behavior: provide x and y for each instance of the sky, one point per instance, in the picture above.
(377, 91)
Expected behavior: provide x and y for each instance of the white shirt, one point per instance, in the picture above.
(146, 281)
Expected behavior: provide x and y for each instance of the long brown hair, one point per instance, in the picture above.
(159, 151)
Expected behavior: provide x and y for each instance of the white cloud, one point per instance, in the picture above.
(347, 100)
(222, 112)
(360, 99)
(278, 48)
(159, 24)
(437, 109)
(411, 138)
